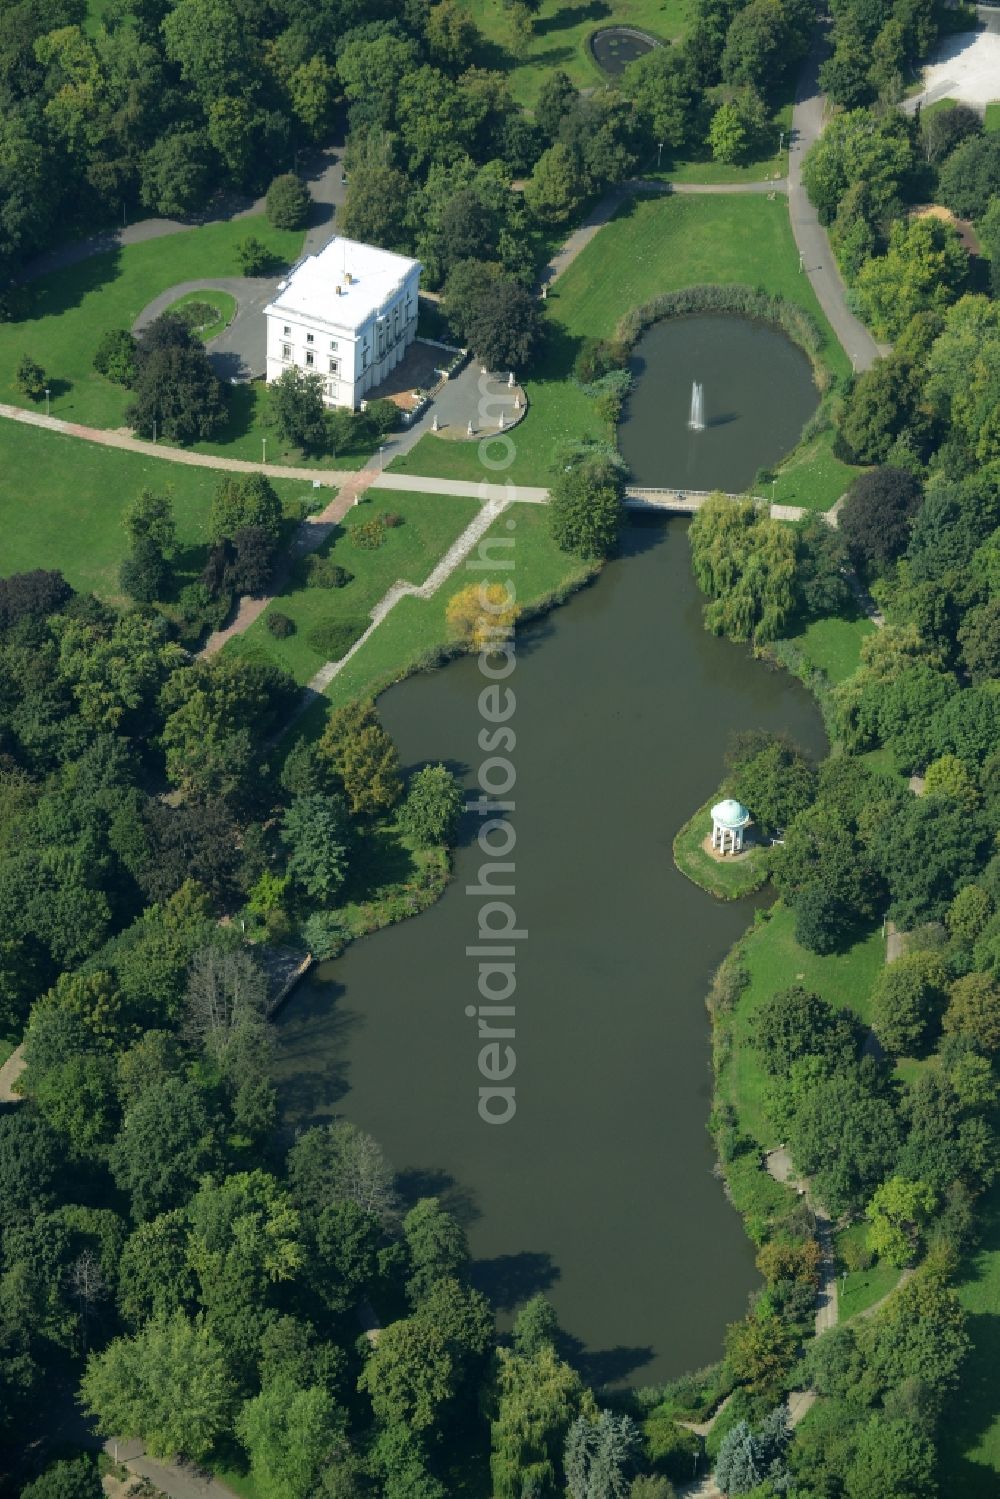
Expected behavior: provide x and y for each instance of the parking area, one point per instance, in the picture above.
(965, 67)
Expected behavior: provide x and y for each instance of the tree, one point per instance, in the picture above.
(891, 1457)
(175, 388)
(226, 998)
(920, 1334)
(167, 1141)
(906, 1001)
(361, 755)
(897, 1215)
(534, 1401)
(857, 147)
(168, 1384)
(749, 1457)
(974, 1007)
(437, 1246)
(482, 616)
(876, 515)
(535, 1325)
(409, 1374)
(881, 404)
(30, 378)
(298, 409)
(155, 1278)
(316, 831)
(846, 1136)
(214, 712)
(503, 328)
(585, 509)
(557, 96)
(727, 134)
(243, 501)
(554, 190)
(776, 785)
(115, 356)
(795, 1023)
(338, 1162)
(745, 562)
(971, 176)
(451, 35)
(434, 804)
(145, 575)
(76, 1478)
(924, 269)
(288, 202)
(375, 208)
(979, 637)
(290, 1435)
(174, 173)
(944, 129)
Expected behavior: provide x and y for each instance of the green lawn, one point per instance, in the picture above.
(221, 301)
(991, 118)
(812, 477)
(654, 244)
(833, 644)
(61, 503)
(416, 628)
(62, 316)
(775, 960)
(559, 37)
(861, 1288)
(970, 1445)
(729, 879)
(770, 158)
(410, 551)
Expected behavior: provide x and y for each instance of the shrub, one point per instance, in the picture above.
(323, 572)
(287, 204)
(369, 535)
(115, 356)
(253, 255)
(324, 935)
(280, 625)
(333, 638)
(669, 1448)
(392, 520)
(480, 614)
(30, 378)
(198, 314)
(384, 416)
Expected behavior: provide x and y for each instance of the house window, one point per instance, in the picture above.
(286, 351)
(310, 339)
(310, 359)
(334, 366)
(334, 345)
(286, 330)
(331, 389)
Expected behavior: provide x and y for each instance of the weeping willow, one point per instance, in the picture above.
(745, 563)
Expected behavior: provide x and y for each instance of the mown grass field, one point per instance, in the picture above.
(61, 317)
(970, 1445)
(654, 244)
(775, 960)
(559, 37)
(416, 628)
(812, 477)
(861, 1288)
(833, 644)
(728, 879)
(61, 504)
(410, 552)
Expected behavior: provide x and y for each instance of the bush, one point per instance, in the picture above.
(384, 416)
(669, 1448)
(598, 357)
(323, 572)
(30, 378)
(324, 935)
(253, 255)
(392, 520)
(280, 625)
(115, 356)
(198, 314)
(369, 535)
(288, 202)
(199, 608)
(333, 638)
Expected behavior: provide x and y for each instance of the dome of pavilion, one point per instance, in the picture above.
(730, 814)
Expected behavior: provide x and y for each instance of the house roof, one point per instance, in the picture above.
(310, 292)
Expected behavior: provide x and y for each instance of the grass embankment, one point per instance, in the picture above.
(559, 38)
(970, 1446)
(811, 476)
(409, 552)
(729, 878)
(653, 245)
(222, 304)
(991, 117)
(60, 318)
(774, 960)
(416, 632)
(61, 504)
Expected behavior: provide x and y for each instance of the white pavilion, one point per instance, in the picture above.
(729, 820)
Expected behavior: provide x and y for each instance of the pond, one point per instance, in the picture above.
(600, 1191)
(614, 47)
(758, 395)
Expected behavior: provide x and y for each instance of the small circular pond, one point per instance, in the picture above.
(758, 393)
(614, 47)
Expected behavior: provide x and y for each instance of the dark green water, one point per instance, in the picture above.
(759, 394)
(600, 1190)
(615, 47)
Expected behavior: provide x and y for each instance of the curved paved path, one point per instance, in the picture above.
(811, 238)
(238, 352)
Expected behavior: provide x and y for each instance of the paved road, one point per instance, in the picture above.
(810, 236)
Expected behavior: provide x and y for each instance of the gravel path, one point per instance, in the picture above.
(9, 1073)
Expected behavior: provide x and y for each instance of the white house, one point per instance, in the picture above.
(347, 314)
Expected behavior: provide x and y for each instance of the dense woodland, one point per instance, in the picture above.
(172, 1255)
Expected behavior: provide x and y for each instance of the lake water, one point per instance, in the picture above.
(614, 47)
(759, 394)
(600, 1191)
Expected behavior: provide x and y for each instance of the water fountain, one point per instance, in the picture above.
(696, 421)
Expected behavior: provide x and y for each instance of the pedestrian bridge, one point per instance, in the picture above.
(687, 501)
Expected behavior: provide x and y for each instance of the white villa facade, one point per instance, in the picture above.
(347, 315)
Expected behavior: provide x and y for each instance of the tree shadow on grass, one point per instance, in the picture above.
(59, 291)
(572, 15)
(380, 859)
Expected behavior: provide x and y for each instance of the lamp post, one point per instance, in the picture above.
(154, 428)
(47, 392)
(659, 153)
(781, 141)
(802, 260)
(263, 443)
(773, 483)
(381, 462)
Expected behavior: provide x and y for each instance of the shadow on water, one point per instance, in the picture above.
(511, 1279)
(415, 1182)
